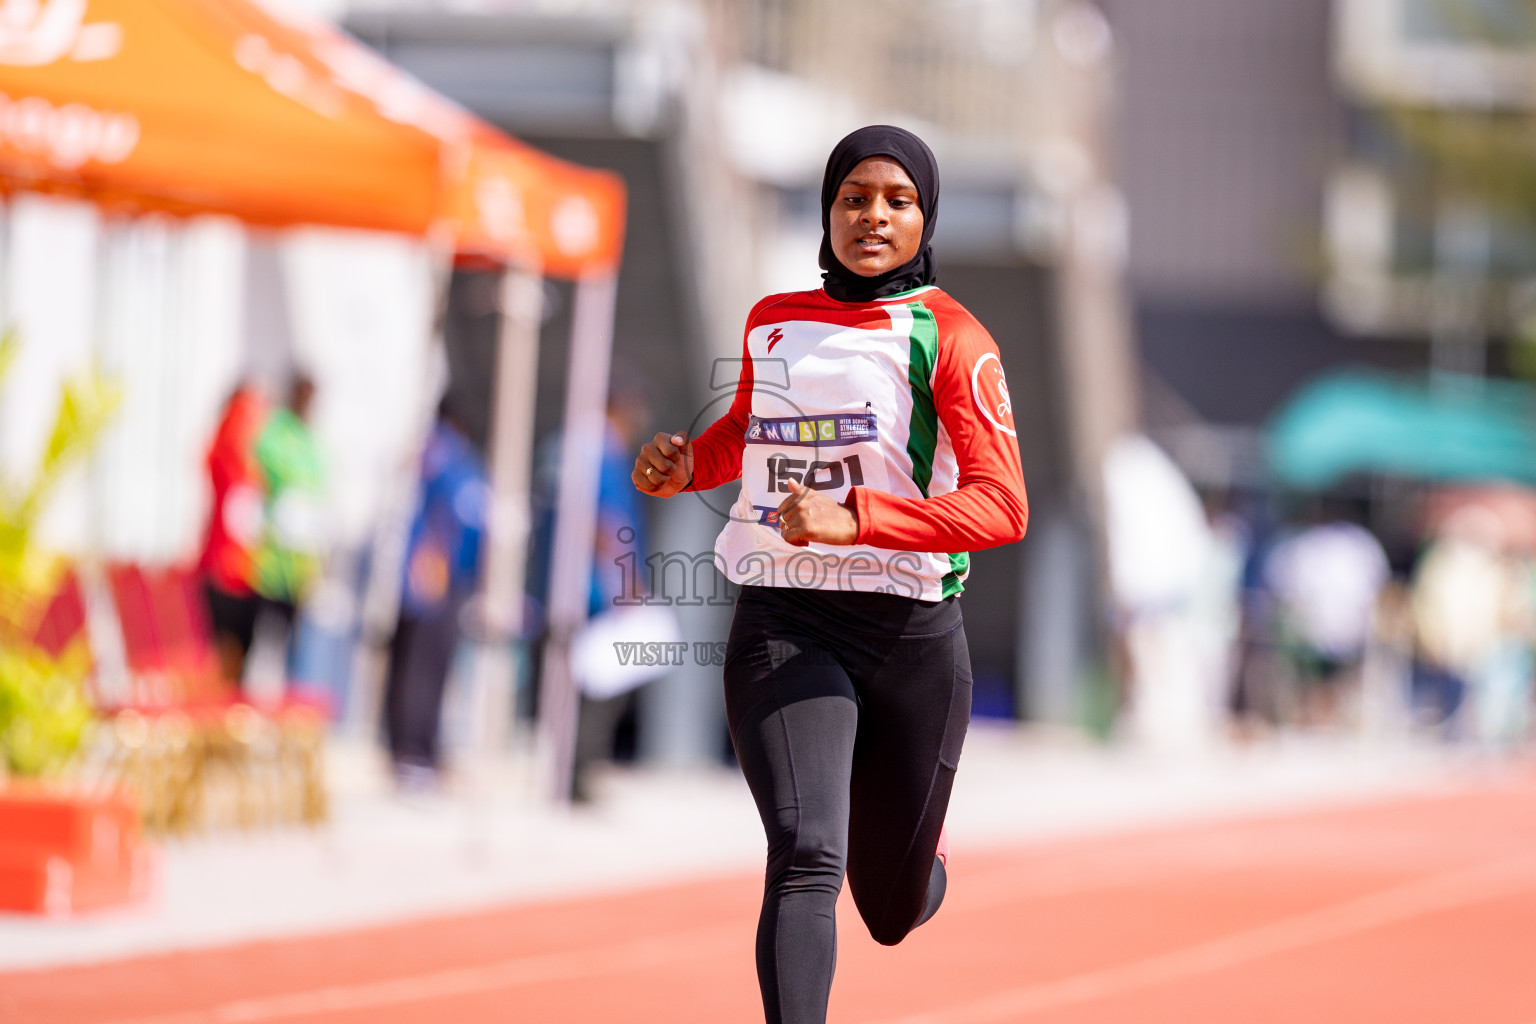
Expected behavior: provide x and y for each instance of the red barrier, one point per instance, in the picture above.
(63, 850)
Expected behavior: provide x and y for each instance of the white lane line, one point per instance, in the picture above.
(1135, 861)
(1171, 859)
(650, 951)
(1446, 891)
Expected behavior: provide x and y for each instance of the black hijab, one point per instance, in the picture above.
(917, 159)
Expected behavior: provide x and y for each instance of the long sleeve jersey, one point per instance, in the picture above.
(898, 408)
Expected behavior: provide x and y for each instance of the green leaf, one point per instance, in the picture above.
(44, 713)
(10, 345)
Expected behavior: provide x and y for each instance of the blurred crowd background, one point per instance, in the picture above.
(1262, 273)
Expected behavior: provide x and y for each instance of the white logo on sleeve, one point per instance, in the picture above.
(990, 389)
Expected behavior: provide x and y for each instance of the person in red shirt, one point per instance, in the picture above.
(873, 435)
(234, 527)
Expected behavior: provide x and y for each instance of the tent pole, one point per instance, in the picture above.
(581, 452)
(519, 303)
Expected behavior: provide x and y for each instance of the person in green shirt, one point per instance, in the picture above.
(286, 561)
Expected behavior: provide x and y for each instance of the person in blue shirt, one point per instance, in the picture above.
(441, 572)
(620, 518)
(620, 540)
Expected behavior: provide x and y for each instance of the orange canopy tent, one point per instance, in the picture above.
(512, 203)
(232, 107)
(225, 106)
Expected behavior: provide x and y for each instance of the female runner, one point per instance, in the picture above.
(864, 483)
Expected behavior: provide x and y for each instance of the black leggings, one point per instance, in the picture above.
(848, 711)
(420, 658)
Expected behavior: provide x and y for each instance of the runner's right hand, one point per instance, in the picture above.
(669, 459)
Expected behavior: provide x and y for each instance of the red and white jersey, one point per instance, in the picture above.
(897, 407)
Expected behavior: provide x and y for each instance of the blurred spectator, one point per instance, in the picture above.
(1258, 692)
(234, 528)
(286, 561)
(1387, 668)
(1502, 686)
(1472, 613)
(442, 562)
(620, 533)
(1326, 580)
(1175, 575)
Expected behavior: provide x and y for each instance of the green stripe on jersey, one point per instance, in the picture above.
(923, 430)
(959, 565)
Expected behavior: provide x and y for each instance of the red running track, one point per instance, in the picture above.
(1407, 911)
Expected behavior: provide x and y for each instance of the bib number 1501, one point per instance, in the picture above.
(819, 476)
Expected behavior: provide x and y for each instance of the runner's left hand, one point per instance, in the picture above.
(808, 515)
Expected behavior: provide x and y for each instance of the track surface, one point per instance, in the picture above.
(1411, 911)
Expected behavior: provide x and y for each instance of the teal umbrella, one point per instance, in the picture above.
(1453, 428)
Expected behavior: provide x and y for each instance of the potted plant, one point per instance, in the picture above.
(62, 846)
